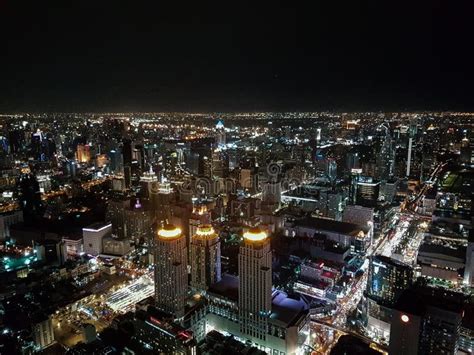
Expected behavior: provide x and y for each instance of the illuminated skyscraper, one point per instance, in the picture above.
(171, 280)
(220, 134)
(205, 258)
(83, 153)
(255, 283)
(388, 278)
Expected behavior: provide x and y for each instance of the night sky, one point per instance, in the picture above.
(84, 56)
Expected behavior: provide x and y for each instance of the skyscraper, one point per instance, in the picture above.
(220, 134)
(205, 258)
(171, 280)
(469, 269)
(387, 279)
(255, 283)
(427, 321)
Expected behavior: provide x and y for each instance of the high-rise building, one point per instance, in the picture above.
(255, 283)
(116, 214)
(149, 184)
(387, 279)
(205, 258)
(83, 153)
(171, 279)
(469, 269)
(29, 196)
(93, 236)
(220, 134)
(427, 321)
(331, 170)
(367, 192)
(386, 157)
(271, 195)
(43, 333)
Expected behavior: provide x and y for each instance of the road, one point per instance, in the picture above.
(385, 245)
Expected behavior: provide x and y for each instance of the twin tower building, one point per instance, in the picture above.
(255, 273)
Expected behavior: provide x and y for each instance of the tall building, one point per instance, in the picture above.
(220, 134)
(93, 236)
(255, 283)
(171, 279)
(205, 258)
(331, 170)
(83, 153)
(271, 195)
(127, 156)
(387, 279)
(469, 269)
(427, 321)
(29, 197)
(43, 333)
(367, 192)
(116, 214)
(386, 157)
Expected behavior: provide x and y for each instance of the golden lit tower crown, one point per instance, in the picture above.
(169, 232)
(255, 234)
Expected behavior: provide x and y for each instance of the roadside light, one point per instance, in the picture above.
(405, 318)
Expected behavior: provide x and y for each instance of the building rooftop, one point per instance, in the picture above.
(227, 287)
(285, 309)
(453, 251)
(417, 299)
(98, 226)
(332, 226)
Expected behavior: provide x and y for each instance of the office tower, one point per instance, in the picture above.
(6, 220)
(116, 214)
(29, 196)
(352, 161)
(83, 153)
(386, 157)
(355, 177)
(116, 162)
(255, 283)
(171, 279)
(127, 156)
(271, 195)
(198, 217)
(162, 201)
(387, 279)
(93, 236)
(43, 332)
(469, 269)
(149, 184)
(411, 135)
(205, 258)
(427, 321)
(367, 192)
(331, 170)
(220, 134)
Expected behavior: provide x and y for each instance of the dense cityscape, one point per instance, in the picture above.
(237, 233)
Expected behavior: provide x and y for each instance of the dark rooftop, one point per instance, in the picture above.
(228, 287)
(332, 225)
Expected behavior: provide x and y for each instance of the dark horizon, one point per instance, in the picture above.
(352, 57)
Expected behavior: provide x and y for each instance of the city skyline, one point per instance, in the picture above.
(226, 178)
